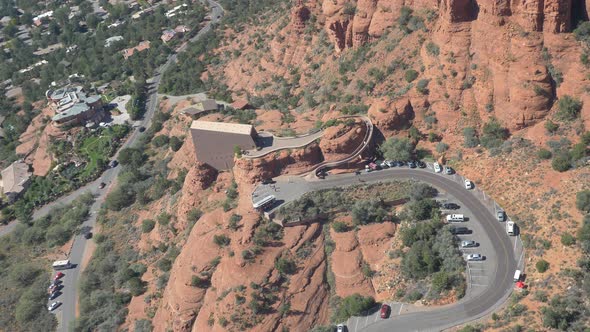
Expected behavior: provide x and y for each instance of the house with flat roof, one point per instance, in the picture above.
(201, 108)
(215, 142)
(15, 180)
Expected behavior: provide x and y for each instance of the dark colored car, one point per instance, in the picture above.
(421, 164)
(141, 129)
(102, 185)
(385, 309)
(411, 164)
(450, 206)
(267, 181)
(88, 235)
(113, 163)
(459, 230)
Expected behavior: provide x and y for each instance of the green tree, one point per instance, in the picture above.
(221, 240)
(353, 305)
(562, 161)
(160, 140)
(339, 227)
(544, 154)
(423, 209)
(397, 149)
(365, 212)
(493, 134)
(147, 225)
(175, 143)
(285, 266)
(551, 126)
(410, 75)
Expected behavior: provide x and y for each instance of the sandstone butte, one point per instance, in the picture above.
(499, 46)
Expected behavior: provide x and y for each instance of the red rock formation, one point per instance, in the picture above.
(391, 115)
(457, 10)
(299, 15)
(558, 16)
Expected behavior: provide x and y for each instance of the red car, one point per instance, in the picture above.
(58, 276)
(385, 309)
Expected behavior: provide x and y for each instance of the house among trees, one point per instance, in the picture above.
(73, 107)
(168, 35)
(241, 104)
(216, 142)
(38, 20)
(144, 45)
(2, 133)
(15, 180)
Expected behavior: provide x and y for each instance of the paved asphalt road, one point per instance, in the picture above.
(66, 313)
(475, 304)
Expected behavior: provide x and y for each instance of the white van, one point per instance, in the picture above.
(510, 228)
(455, 218)
(516, 275)
(437, 168)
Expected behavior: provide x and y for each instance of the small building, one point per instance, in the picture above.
(215, 142)
(144, 45)
(2, 133)
(38, 20)
(201, 108)
(111, 40)
(15, 180)
(168, 35)
(182, 29)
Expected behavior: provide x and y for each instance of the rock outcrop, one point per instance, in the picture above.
(299, 15)
(390, 115)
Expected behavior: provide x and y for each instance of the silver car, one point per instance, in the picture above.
(501, 215)
(468, 244)
(474, 257)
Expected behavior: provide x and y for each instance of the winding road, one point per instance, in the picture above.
(500, 263)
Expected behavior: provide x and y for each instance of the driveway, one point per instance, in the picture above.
(490, 281)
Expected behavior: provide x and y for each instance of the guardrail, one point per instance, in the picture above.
(355, 153)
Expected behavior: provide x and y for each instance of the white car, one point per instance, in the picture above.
(468, 244)
(437, 168)
(468, 184)
(449, 170)
(390, 163)
(474, 257)
(340, 328)
(54, 305)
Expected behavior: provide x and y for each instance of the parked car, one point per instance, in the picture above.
(450, 206)
(437, 168)
(501, 215)
(468, 244)
(102, 185)
(267, 181)
(390, 163)
(455, 218)
(53, 295)
(368, 169)
(382, 164)
(88, 235)
(449, 170)
(141, 129)
(411, 164)
(459, 230)
(474, 257)
(113, 163)
(340, 328)
(421, 164)
(385, 309)
(468, 184)
(58, 276)
(53, 306)
(400, 163)
(373, 166)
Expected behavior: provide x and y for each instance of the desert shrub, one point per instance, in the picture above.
(551, 126)
(414, 296)
(493, 134)
(584, 234)
(221, 240)
(421, 191)
(365, 212)
(561, 162)
(119, 199)
(410, 75)
(422, 86)
(569, 108)
(414, 133)
(562, 312)
(470, 137)
(542, 265)
(285, 265)
(160, 140)
(583, 201)
(544, 154)
(147, 225)
(568, 239)
(199, 282)
(441, 147)
(339, 227)
(353, 305)
(420, 261)
(234, 220)
(175, 143)
(578, 151)
(423, 209)
(432, 49)
(143, 325)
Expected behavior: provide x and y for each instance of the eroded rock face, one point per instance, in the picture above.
(458, 10)
(342, 139)
(391, 115)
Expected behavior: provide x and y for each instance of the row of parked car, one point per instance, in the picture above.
(381, 164)
(55, 290)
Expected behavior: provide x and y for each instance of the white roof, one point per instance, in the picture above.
(234, 128)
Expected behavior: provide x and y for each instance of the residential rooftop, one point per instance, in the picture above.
(14, 177)
(233, 128)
